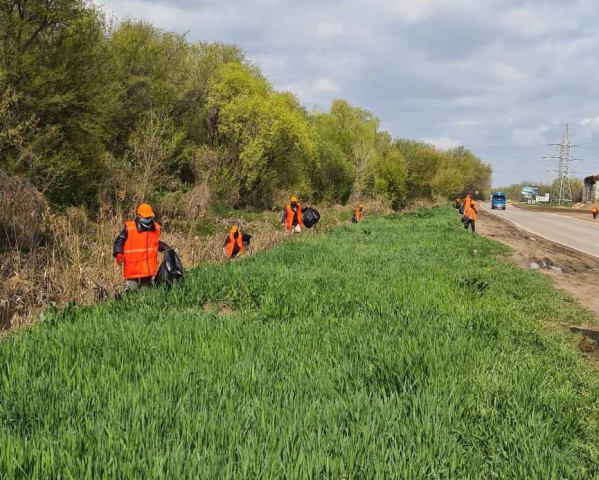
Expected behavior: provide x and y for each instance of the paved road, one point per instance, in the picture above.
(573, 233)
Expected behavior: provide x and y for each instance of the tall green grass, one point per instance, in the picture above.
(398, 348)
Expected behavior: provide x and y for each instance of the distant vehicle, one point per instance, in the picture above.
(498, 201)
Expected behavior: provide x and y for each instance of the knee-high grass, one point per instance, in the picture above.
(398, 348)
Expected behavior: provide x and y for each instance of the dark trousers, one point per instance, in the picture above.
(470, 223)
(595, 215)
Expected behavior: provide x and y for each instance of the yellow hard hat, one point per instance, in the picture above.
(234, 229)
(293, 198)
(361, 204)
(145, 211)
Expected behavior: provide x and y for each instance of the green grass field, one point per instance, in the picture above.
(399, 348)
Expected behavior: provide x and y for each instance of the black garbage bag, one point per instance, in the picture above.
(170, 270)
(353, 219)
(461, 209)
(311, 217)
(246, 237)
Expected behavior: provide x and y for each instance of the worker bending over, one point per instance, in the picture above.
(292, 218)
(470, 216)
(233, 246)
(457, 202)
(136, 248)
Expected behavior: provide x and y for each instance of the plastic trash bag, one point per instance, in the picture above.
(246, 237)
(311, 217)
(170, 270)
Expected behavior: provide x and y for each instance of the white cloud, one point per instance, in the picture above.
(330, 29)
(443, 142)
(412, 11)
(506, 73)
(326, 85)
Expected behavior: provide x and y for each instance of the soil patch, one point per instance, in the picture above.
(221, 308)
(579, 272)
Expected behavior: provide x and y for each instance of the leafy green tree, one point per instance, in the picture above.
(390, 179)
(264, 129)
(53, 56)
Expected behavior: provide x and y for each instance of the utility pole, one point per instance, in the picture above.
(562, 192)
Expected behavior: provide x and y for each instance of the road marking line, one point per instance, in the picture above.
(526, 229)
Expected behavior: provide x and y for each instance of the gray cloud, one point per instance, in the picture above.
(502, 77)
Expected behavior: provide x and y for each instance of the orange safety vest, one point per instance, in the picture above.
(232, 242)
(467, 202)
(358, 215)
(595, 210)
(141, 252)
(470, 212)
(291, 214)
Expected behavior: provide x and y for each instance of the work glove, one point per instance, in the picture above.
(119, 258)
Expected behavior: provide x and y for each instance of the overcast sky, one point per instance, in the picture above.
(502, 77)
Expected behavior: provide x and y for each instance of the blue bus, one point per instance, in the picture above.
(498, 201)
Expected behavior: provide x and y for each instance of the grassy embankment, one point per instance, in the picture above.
(75, 263)
(400, 348)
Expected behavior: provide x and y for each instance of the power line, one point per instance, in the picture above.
(588, 143)
(503, 145)
(589, 154)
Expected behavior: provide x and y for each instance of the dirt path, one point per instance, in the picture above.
(579, 272)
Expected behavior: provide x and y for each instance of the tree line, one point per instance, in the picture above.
(94, 111)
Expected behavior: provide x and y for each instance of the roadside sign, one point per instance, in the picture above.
(530, 191)
(543, 199)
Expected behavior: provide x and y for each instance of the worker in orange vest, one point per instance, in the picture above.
(292, 218)
(465, 204)
(457, 203)
(357, 217)
(136, 248)
(359, 213)
(470, 216)
(595, 212)
(233, 246)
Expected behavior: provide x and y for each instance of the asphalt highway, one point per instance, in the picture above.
(577, 234)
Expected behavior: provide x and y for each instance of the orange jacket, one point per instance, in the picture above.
(470, 211)
(234, 239)
(141, 252)
(595, 210)
(467, 202)
(358, 214)
(290, 216)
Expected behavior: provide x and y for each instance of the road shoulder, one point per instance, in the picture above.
(575, 272)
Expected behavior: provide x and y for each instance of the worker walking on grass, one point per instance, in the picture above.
(595, 212)
(358, 214)
(292, 218)
(470, 216)
(136, 249)
(457, 202)
(233, 246)
(465, 204)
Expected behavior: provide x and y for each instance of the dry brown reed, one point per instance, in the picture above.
(74, 263)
